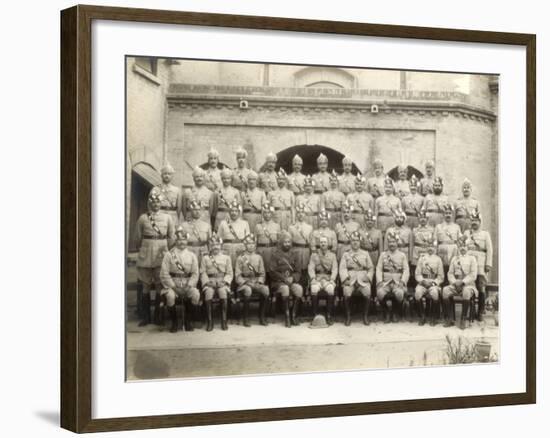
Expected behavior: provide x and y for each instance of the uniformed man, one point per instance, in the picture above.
(253, 199)
(227, 194)
(296, 178)
(267, 233)
(413, 202)
(402, 188)
(268, 178)
(426, 183)
(250, 278)
(300, 233)
(392, 276)
(179, 275)
(213, 180)
(312, 202)
(240, 173)
(465, 205)
(435, 201)
(170, 194)
(462, 277)
(333, 200)
(429, 278)
(403, 233)
(201, 194)
(361, 200)
(447, 234)
(321, 178)
(346, 181)
(385, 205)
(375, 184)
(324, 230)
(323, 270)
(422, 238)
(372, 239)
(356, 273)
(481, 247)
(283, 201)
(285, 274)
(198, 231)
(216, 274)
(155, 234)
(344, 228)
(232, 232)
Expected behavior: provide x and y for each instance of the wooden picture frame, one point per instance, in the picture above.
(76, 217)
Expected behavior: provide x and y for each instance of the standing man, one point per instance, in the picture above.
(356, 272)
(413, 203)
(375, 184)
(465, 205)
(422, 238)
(447, 234)
(344, 228)
(323, 270)
(267, 233)
(324, 231)
(213, 178)
(462, 277)
(268, 178)
(253, 198)
(155, 234)
(198, 231)
(346, 181)
(403, 233)
(392, 275)
(227, 195)
(426, 183)
(333, 200)
(285, 274)
(385, 205)
(216, 276)
(283, 201)
(179, 275)
(240, 173)
(202, 195)
(481, 247)
(312, 202)
(322, 177)
(361, 200)
(300, 233)
(250, 277)
(402, 185)
(170, 194)
(435, 201)
(429, 278)
(296, 178)
(232, 232)
(372, 239)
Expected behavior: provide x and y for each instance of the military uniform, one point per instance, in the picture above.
(323, 270)
(346, 183)
(212, 179)
(232, 234)
(361, 202)
(434, 208)
(300, 233)
(284, 266)
(199, 232)
(267, 234)
(322, 182)
(422, 237)
(427, 185)
(402, 188)
(375, 186)
(313, 205)
(481, 247)
(430, 268)
(404, 244)
(356, 272)
(392, 275)
(268, 180)
(296, 183)
(464, 268)
(252, 206)
(343, 236)
(283, 202)
(463, 207)
(447, 235)
(216, 276)
(206, 199)
(170, 200)
(412, 204)
(240, 178)
(226, 195)
(384, 208)
(250, 275)
(327, 232)
(372, 241)
(332, 201)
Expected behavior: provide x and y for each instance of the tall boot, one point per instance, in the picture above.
(348, 311)
(389, 311)
(139, 300)
(397, 310)
(263, 305)
(330, 305)
(315, 304)
(156, 311)
(293, 319)
(187, 316)
(146, 310)
(481, 306)
(286, 310)
(173, 318)
(434, 311)
(209, 322)
(421, 309)
(197, 320)
(464, 317)
(224, 314)
(447, 313)
(366, 306)
(246, 304)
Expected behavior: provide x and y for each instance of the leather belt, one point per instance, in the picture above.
(169, 208)
(300, 245)
(180, 275)
(196, 244)
(399, 271)
(265, 245)
(232, 241)
(154, 237)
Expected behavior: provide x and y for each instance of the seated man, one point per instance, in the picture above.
(462, 277)
(392, 275)
(285, 273)
(216, 277)
(250, 277)
(323, 270)
(179, 274)
(429, 277)
(356, 272)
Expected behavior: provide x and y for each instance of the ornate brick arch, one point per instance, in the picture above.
(316, 76)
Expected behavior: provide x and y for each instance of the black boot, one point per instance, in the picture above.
(209, 322)
(224, 314)
(173, 318)
(366, 306)
(246, 304)
(156, 311)
(348, 311)
(187, 316)
(481, 306)
(263, 305)
(421, 309)
(315, 305)
(287, 312)
(294, 311)
(330, 305)
(447, 313)
(139, 300)
(388, 311)
(465, 316)
(434, 312)
(146, 310)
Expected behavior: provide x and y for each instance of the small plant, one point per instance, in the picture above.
(460, 351)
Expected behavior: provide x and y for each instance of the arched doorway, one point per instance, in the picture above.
(309, 155)
(410, 172)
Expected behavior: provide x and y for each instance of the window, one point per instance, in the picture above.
(149, 64)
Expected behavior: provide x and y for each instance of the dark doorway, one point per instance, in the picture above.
(138, 205)
(410, 172)
(309, 155)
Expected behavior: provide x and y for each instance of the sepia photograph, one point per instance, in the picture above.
(306, 218)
